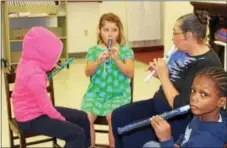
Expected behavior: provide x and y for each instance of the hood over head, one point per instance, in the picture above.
(42, 46)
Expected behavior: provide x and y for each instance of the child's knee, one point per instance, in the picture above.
(108, 117)
(84, 117)
(91, 118)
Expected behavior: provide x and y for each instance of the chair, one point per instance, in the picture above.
(13, 127)
(101, 120)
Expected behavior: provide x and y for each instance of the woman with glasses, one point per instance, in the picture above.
(193, 55)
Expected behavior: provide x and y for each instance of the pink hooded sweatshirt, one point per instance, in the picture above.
(41, 51)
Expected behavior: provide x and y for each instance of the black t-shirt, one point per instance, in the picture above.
(182, 71)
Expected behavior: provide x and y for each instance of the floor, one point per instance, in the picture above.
(70, 86)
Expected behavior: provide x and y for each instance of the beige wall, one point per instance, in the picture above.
(83, 20)
(173, 10)
(1, 39)
(1, 69)
(82, 26)
(118, 7)
(79, 42)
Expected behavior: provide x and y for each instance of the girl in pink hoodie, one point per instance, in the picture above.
(32, 106)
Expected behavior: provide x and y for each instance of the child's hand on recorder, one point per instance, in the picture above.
(57, 66)
(114, 53)
(161, 128)
(54, 68)
(102, 57)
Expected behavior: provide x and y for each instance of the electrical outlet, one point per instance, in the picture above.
(85, 32)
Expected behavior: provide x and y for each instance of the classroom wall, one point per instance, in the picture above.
(83, 19)
(171, 13)
(82, 26)
(1, 69)
(1, 39)
(82, 32)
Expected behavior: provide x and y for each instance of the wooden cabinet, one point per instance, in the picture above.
(218, 19)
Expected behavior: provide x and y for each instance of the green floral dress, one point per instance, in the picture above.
(108, 88)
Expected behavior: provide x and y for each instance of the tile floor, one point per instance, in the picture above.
(70, 86)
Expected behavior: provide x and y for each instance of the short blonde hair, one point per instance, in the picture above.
(111, 17)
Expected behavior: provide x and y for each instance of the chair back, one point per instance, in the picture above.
(10, 80)
(132, 88)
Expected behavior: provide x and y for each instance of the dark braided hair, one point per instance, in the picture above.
(219, 76)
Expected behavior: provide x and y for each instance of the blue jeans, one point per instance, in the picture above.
(75, 131)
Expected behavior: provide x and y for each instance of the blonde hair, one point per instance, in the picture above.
(111, 17)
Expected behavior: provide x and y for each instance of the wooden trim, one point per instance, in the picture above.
(216, 8)
(99, 1)
(135, 49)
(78, 54)
(146, 49)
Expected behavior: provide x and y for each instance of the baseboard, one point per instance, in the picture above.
(135, 49)
(78, 54)
(146, 49)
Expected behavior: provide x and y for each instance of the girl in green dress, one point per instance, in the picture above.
(110, 72)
